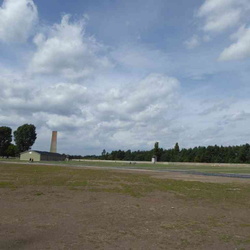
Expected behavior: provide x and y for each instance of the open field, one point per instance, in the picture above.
(54, 207)
(204, 168)
(220, 168)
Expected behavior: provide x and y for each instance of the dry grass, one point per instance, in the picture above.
(207, 212)
(16, 175)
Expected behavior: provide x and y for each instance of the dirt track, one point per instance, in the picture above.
(58, 218)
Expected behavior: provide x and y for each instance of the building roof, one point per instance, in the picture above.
(43, 153)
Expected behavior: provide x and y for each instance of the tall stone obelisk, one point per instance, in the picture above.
(53, 145)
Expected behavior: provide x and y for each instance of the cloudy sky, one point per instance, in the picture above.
(122, 74)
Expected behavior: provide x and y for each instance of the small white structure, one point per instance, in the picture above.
(154, 159)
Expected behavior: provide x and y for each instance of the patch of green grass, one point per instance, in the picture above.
(185, 243)
(77, 183)
(10, 159)
(179, 225)
(213, 222)
(4, 184)
(226, 237)
(202, 232)
(39, 193)
(243, 241)
(236, 239)
(245, 225)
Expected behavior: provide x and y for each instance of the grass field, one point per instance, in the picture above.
(202, 168)
(209, 168)
(232, 169)
(15, 175)
(225, 220)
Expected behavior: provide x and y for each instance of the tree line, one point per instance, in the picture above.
(24, 138)
(209, 154)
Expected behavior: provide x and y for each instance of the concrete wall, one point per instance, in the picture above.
(26, 156)
(52, 158)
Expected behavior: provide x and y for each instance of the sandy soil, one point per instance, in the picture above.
(59, 218)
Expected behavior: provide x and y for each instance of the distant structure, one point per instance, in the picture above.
(53, 146)
(154, 159)
(35, 155)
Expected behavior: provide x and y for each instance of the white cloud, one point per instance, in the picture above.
(144, 100)
(71, 90)
(140, 58)
(236, 117)
(135, 115)
(214, 121)
(130, 116)
(17, 18)
(240, 49)
(218, 23)
(193, 42)
(223, 15)
(20, 95)
(220, 15)
(214, 6)
(68, 51)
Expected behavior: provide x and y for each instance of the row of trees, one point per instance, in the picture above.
(209, 154)
(24, 138)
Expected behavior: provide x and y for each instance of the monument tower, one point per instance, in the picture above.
(53, 146)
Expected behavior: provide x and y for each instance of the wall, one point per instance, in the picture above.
(26, 156)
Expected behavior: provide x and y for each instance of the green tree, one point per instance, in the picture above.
(103, 157)
(25, 137)
(176, 148)
(127, 156)
(5, 139)
(11, 151)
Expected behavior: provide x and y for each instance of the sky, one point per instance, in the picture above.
(123, 74)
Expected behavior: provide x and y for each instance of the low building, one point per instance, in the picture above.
(35, 155)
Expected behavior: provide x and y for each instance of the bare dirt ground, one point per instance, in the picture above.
(50, 207)
(59, 218)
